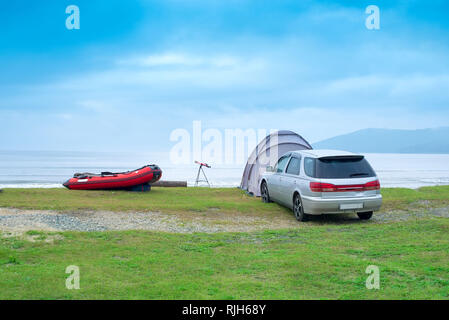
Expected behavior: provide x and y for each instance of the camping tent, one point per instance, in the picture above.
(267, 153)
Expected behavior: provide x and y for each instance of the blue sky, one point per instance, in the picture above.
(136, 70)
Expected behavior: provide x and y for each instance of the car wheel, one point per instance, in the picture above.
(365, 215)
(298, 210)
(264, 193)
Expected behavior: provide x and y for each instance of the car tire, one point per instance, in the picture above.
(365, 215)
(298, 209)
(264, 193)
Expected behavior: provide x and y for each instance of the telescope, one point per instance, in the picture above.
(203, 164)
(201, 170)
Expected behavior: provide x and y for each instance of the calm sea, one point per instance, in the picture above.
(20, 169)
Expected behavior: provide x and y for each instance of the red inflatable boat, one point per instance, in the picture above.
(119, 180)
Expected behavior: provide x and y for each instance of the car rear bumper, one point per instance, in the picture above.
(317, 205)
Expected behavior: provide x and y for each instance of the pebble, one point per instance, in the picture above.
(22, 220)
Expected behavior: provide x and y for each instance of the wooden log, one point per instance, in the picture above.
(169, 184)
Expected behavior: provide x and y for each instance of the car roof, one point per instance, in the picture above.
(318, 153)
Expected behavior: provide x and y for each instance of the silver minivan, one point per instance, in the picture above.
(314, 182)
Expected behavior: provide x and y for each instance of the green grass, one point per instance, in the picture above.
(401, 198)
(186, 199)
(323, 262)
(158, 199)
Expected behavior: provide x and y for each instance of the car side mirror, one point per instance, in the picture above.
(270, 169)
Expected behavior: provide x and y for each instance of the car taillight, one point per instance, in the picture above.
(372, 185)
(329, 187)
(322, 187)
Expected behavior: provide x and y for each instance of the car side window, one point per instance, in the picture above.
(281, 164)
(293, 166)
(309, 167)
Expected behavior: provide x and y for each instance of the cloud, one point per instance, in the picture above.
(98, 106)
(396, 84)
(65, 116)
(161, 74)
(180, 60)
(316, 123)
(266, 79)
(270, 89)
(315, 70)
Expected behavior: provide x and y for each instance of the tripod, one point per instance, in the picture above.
(201, 170)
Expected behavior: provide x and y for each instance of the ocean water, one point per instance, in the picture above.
(24, 169)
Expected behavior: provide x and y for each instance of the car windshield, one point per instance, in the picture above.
(341, 167)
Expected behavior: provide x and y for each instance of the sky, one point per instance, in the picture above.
(137, 70)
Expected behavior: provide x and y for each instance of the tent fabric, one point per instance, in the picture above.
(267, 153)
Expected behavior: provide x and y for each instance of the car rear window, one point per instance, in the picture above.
(342, 167)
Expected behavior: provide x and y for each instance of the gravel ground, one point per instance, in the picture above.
(17, 220)
(24, 220)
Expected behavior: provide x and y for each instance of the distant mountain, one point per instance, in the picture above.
(390, 141)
